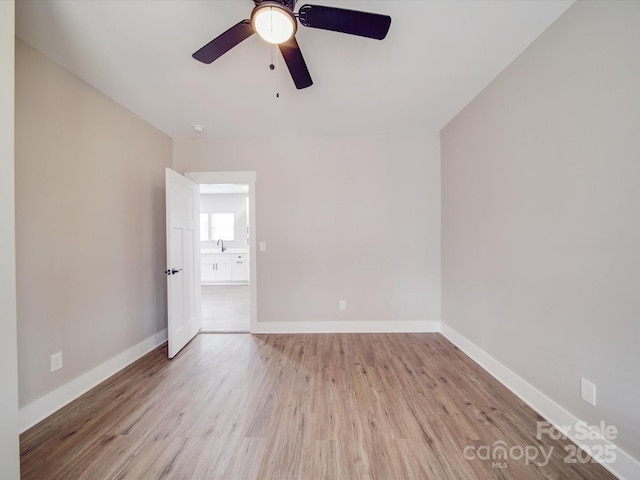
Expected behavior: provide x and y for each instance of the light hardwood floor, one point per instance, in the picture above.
(225, 308)
(330, 406)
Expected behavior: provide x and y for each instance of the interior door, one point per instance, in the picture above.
(183, 268)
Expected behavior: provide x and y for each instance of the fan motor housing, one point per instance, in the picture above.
(290, 4)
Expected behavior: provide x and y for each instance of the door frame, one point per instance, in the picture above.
(245, 178)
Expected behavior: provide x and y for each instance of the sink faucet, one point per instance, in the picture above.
(223, 247)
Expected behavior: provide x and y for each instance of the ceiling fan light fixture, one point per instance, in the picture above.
(273, 22)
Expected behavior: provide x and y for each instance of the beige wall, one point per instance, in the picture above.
(541, 215)
(90, 225)
(353, 218)
(9, 454)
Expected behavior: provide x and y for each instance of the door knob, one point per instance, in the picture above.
(174, 271)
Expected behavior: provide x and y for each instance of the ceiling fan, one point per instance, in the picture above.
(275, 22)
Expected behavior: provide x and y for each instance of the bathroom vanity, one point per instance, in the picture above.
(230, 267)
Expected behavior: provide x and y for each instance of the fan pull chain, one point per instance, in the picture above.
(275, 67)
(275, 49)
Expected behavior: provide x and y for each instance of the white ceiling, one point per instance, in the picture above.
(437, 56)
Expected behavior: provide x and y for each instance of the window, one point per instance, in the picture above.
(217, 226)
(222, 226)
(204, 227)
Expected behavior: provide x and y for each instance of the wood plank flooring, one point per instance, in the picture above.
(323, 406)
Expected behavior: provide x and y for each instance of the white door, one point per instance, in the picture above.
(183, 268)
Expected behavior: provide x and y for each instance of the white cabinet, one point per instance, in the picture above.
(240, 267)
(215, 268)
(207, 268)
(224, 268)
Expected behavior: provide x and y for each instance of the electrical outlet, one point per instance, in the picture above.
(263, 246)
(342, 304)
(588, 391)
(56, 361)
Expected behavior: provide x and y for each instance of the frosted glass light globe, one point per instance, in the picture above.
(273, 23)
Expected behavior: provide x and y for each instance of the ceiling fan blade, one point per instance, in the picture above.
(364, 24)
(225, 42)
(296, 64)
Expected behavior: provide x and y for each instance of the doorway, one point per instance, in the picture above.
(227, 250)
(224, 257)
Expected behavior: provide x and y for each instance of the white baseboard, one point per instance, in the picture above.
(37, 411)
(625, 467)
(348, 326)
